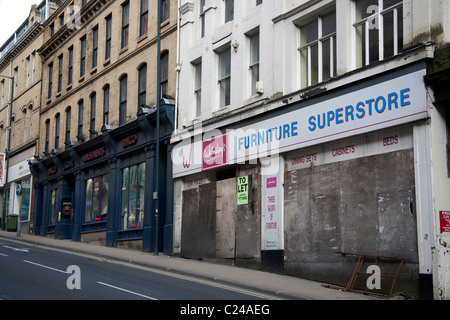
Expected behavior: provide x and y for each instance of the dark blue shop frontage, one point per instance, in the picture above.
(104, 190)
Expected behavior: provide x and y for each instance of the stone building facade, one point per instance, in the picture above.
(97, 144)
(19, 126)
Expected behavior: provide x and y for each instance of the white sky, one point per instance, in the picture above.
(12, 14)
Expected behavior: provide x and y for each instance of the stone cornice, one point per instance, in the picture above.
(86, 13)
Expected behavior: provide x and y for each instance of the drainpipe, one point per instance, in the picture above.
(178, 67)
(7, 155)
(158, 105)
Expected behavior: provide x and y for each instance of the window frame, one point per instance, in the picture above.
(224, 80)
(197, 88)
(123, 87)
(143, 18)
(125, 25)
(376, 17)
(306, 80)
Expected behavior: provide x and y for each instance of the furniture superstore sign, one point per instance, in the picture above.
(382, 105)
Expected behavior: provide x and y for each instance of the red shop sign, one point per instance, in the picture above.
(444, 217)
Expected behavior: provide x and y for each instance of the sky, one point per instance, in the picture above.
(12, 14)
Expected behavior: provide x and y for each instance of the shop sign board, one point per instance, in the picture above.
(365, 109)
(242, 190)
(214, 152)
(2, 169)
(271, 214)
(444, 217)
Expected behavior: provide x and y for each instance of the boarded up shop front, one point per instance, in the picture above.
(214, 225)
(344, 180)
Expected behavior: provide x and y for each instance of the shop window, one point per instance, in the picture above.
(25, 199)
(133, 197)
(318, 50)
(54, 207)
(96, 199)
(378, 30)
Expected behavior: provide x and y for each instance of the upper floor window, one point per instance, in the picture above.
(70, 67)
(125, 24)
(94, 46)
(123, 100)
(198, 88)
(228, 9)
(92, 132)
(318, 50)
(142, 85)
(143, 29)
(80, 135)
(224, 77)
(57, 124)
(202, 18)
(165, 10)
(50, 80)
(108, 37)
(47, 136)
(83, 56)
(68, 120)
(164, 73)
(254, 62)
(60, 72)
(106, 104)
(16, 81)
(378, 30)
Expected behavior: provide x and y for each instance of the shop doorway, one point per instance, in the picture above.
(215, 227)
(63, 228)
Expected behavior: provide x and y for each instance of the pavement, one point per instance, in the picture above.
(283, 286)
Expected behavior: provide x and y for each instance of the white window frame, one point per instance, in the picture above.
(197, 67)
(253, 65)
(319, 42)
(202, 18)
(378, 18)
(225, 4)
(220, 79)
